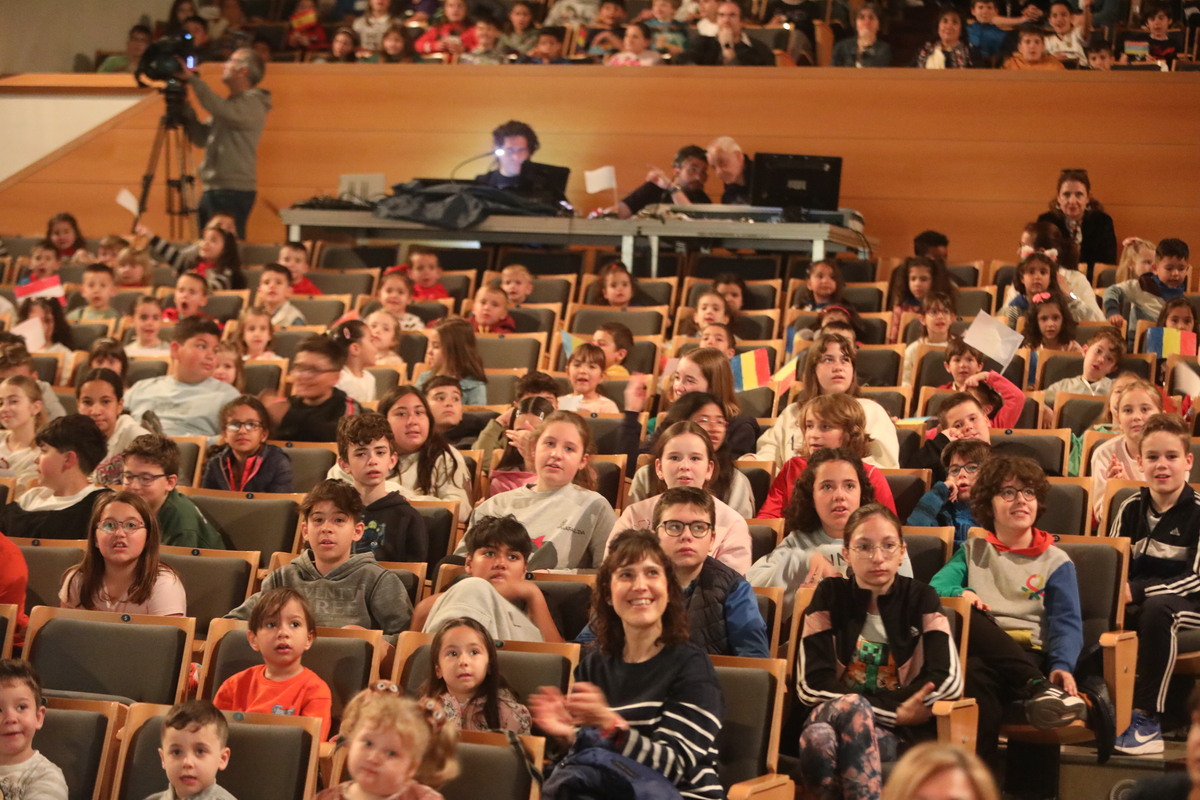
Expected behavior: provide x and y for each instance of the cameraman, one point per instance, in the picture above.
(230, 137)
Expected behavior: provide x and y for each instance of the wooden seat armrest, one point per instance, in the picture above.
(1120, 668)
(764, 787)
(957, 721)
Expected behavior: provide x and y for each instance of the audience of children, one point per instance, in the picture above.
(385, 335)
(16, 360)
(489, 311)
(948, 503)
(62, 231)
(1145, 295)
(152, 473)
(256, 334)
(494, 435)
(1031, 50)
(911, 282)
(1117, 458)
(616, 340)
(55, 328)
(1049, 324)
(394, 294)
(515, 466)
(189, 298)
(517, 283)
(392, 529)
(1101, 355)
(444, 397)
(121, 570)
(244, 462)
(425, 270)
(1001, 400)
(214, 257)
(230, 367)
(281, 629)
(194, 749)
(822, 288)
(520, 32)
(147, 326)
(100, 396)
(294, 256)
(98, 289)
(132, 268)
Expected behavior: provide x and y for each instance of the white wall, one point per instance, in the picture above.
(37, 125)
(47, 35)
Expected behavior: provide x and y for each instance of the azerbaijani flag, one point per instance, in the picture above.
(751, 370)
(570, 341)
(1165, 342)
(786, 376)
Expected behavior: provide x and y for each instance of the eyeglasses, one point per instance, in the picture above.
(1008, 494)
(866, 550)
(969, 469)
(305, 369)
(698, 529)
(111, 526)
(145, 479)
(248, 425)
(716, 422)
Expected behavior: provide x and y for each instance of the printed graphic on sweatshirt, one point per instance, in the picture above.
(872, 668)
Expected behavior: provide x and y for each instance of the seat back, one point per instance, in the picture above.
(141, 369)
(1050, 448)
(765, 535)
(350, 282)
(510, 352)
(748, 745)
(440, 524)
(908, 487)
(79, 737)
(606, 433)
(89, 652)
(216, 581)
(927, 554)
(489, 766)
(910, 445)
(760, 481)
(570, 604)
(251, 521)
(262, 375)
(879, 365)
(47, 563)
(278, 756)
(311, 462)
(640, 321)
(1102, 565)
(757, 402)
(1068, 507)
(319, 310)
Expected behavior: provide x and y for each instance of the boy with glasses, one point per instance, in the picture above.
(312, 413)
(949, 501)
(151, 472)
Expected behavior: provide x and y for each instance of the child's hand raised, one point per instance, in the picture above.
(636, 391)
(1116, 470)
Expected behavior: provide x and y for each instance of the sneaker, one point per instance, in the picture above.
(1051, 707)
(1142, 737)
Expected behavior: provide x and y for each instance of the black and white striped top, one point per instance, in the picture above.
(673, 706)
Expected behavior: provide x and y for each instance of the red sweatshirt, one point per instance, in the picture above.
(780, 493)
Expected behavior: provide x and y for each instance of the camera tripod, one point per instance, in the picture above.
(180, 182)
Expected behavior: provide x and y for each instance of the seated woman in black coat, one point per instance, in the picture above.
(1081, 218)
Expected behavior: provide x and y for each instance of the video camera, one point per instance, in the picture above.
(161, 62)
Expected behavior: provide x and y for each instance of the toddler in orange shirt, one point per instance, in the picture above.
(282, 628)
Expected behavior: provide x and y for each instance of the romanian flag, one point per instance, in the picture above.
(786, 376)
(1165, 342)
(570, 341)
(751, 370)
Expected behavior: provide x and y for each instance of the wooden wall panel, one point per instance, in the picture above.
(973, 154)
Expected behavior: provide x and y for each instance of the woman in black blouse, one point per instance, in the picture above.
(1081, 218)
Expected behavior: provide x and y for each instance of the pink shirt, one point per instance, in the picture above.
(731, 540)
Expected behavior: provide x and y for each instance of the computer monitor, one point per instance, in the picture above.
(790, 182)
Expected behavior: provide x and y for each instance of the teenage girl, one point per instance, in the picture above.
(147, 323)
(870, 667)
(727, 483)
(828, 420)
(566, 519)
(397, 747)
(385, 335)
(823, 287)
(101, 396)
(1117, 458)
(452, 351)
(21, 414)
(685, 456)
(245, 462)
(911, 283)
(465, 680)
(120, 569)
(63, 232)
(830, 369)
(515, 467)
(585, 371)
(355, 381)
(1049, 324)
(54, 323)
(256, 333)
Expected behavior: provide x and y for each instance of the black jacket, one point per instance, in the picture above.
(304, 423)
(706, 51)
(269, 471)
(1099, 245)
(394, 531)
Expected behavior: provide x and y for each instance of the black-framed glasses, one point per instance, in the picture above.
(698, 529)
(1009, 494)
(247, 425)
(958, 469)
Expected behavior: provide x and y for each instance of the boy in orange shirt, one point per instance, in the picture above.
(282, 628)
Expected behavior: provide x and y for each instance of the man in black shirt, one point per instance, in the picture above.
(731, 47)
(515, 143)
(684, 186)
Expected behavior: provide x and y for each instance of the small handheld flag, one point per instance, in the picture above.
(751, 370)
(1165, 342)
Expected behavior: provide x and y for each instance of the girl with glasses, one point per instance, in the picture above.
(1025, 616)
(244, 462)
(875, 653)
(120, 569)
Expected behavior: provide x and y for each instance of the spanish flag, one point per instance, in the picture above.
(1165, 342)
(751, 370)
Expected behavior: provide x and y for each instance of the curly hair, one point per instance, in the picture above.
(430, 746)
(992, 475)
(801, 512)
(632, 547)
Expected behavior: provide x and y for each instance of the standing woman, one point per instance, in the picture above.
(950, 50)
(1081, 218)
(864, 50)
(645, 692)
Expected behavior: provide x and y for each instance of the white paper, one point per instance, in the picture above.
(32, 332)
(127, 201)
(601, 179)
(993, 338)
(569, 402)
(1186, 380)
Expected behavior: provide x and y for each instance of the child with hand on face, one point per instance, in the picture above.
(282, 629)
(949, 501)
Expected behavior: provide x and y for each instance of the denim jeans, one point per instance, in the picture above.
(234, 202)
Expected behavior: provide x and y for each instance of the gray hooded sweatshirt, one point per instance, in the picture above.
(230, 138)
